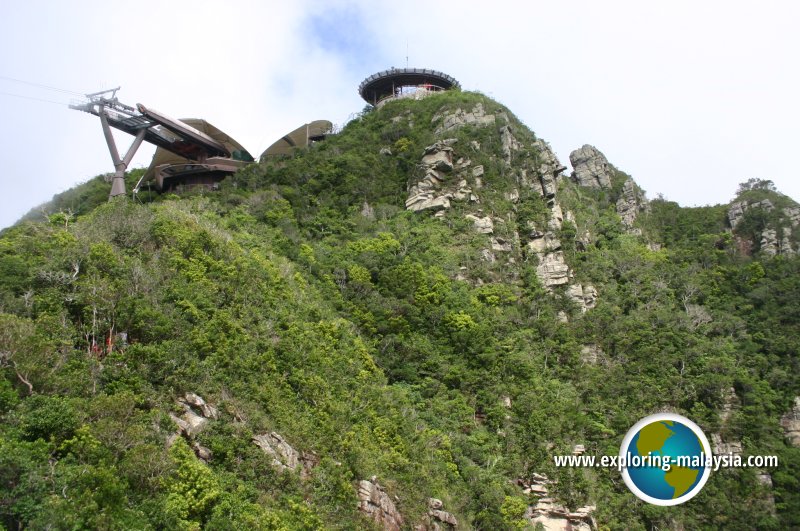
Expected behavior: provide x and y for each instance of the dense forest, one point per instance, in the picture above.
(310, 347)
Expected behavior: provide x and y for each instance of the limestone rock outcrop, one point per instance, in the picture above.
(770, 245)
(509, 143)
(459, 118)
(195, 416)
(591, 354)
(590, 167)
(772, 241)
(284, 457)
(720, 446)
(438, 187)
(791, 423)
(585, 297)
(553, 270)
(483, 225)
(549, 168)
(551, 515)
(376, 503)
(630, 203)
(437, 518)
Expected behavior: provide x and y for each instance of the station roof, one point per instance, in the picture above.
(164, 156)
(299, 138)
(380, 85)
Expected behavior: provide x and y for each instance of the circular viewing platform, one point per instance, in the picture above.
(399, 82)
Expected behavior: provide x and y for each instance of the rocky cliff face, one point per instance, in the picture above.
(591, 168)
(773, 230)
(791, 423)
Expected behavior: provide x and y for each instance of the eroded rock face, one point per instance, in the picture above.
(438, 519)
(769, 242)
(590, 167)
(438, 187)
(483, 225)
(584, 296)
(553, 270)
(459, 118)
(551, 515)
(439, 157)
(376, 503)
(772, 241)
(630, 203)
(509, 143)
(591, 354)
(284, 457)
(721, 446)
(549, 168)
(793, 215)
(791, 423)
(195, 416)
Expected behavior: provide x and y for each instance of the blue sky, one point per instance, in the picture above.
(691, 98)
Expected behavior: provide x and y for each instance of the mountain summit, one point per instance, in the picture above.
(397, 327)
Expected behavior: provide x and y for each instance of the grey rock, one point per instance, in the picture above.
(385, 151)
(377, 505)
(194, 401)
(791, 423)
(428, 203)
(509, 143)
(769, 242)
(630, 203)
(549, 168)
(190, 423)
(589, 296)
(544, 243)
(196, 414)
(584, 297)
(444, 517)
(553, 270)
(730, 403)
(438, 157)
(367, 211)
(556, 517)
(556, 217)
(459, 118)
(793, 215)
(786, 244)
(202, 452)
(482, 225)
(736, 213)
(501, 245)
(284, 457)
(591, 354)
(736, 210)
(721, 446)
(590, 167)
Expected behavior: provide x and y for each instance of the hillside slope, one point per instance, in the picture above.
(425, 305)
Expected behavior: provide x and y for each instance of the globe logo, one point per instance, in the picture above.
(665, 459)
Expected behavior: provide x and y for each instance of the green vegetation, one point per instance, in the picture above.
(302, 298)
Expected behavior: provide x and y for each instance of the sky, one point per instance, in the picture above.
(690, 98)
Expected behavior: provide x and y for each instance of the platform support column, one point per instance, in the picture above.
(120, 164)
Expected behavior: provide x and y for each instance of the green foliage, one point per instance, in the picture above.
(380, 342)
(192, 490)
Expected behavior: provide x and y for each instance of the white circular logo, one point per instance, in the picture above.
(666, 459)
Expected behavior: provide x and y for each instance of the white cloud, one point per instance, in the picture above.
(690, 98)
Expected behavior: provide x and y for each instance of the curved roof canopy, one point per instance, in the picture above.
(300, 137)
(163, 156)
(384, 84)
